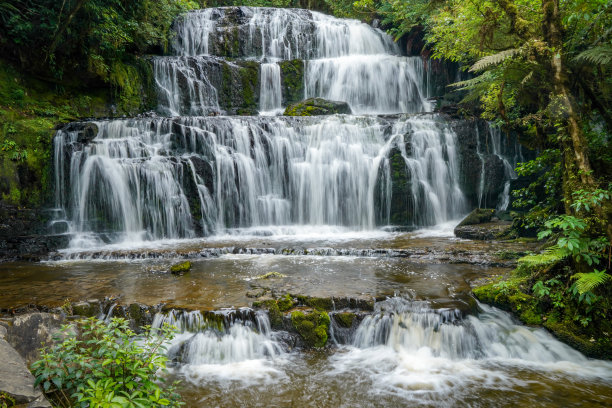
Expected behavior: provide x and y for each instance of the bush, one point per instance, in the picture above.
(98, 364)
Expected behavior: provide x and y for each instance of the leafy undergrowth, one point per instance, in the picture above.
(541, 291)
(99, 364)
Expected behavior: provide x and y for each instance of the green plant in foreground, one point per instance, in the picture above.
(97, 364)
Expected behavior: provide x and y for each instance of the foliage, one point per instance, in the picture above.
(98, 364)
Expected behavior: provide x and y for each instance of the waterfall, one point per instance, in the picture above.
(270, 93)
(346, 60)
(175, 178)
(181, 176)
(236, 343)
(509, 173)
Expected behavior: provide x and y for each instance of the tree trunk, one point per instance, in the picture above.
(553, 35)
(577, 168)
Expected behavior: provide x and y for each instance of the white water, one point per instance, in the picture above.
(436, 357)
(242, 349)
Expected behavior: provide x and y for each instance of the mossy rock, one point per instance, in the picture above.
(285, 303)
(345, 319)
(478, 216)
(270, 275)
(180, 268)
(313, 327)
(594, 348)
(317, 106)
(318, 303)
(292, 81)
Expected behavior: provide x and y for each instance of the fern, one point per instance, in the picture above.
(601, 55)
(586, 282)
(494, 59)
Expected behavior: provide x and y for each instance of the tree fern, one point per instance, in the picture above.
(586, 282)
(494, 59)
(601, 55)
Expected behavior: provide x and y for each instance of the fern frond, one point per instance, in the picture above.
(527, 78)
(494, 59)
(589, 281)
(468, 83)
(601, 55)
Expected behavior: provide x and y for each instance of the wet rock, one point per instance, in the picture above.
(270, 275)
(478, 216)
(16, 381)
(317, 106)
(292, 81)
(484, 232)
(180, 268)
(29, 332)
(344, 319)
(86, 309)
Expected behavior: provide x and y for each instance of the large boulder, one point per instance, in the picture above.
(480, 224)
(16, 381)
(317, 106)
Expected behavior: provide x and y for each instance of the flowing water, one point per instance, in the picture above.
(312, 199)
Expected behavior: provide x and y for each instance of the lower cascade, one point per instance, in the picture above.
(404, 349)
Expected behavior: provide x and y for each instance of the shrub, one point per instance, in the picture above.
(98, 364)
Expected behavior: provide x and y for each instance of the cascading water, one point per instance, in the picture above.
(345, 61)
(173, 178)
(237, 344)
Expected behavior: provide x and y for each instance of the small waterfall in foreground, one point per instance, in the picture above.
(231, 344)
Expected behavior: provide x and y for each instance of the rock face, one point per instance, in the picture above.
(24, 233)
(316, 107)
(16, 381)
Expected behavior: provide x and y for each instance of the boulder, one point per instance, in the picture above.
(317, 106)
(480, 225)
(30, 331)
(180, 268)
(16, 381)
(478, 216)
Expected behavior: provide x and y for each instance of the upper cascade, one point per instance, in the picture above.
(275, 34)
(245, 60)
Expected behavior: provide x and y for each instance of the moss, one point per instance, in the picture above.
(180, 268)
(592, 347)
(312, 327)
(317, 106)
(285, 303)
(344, 319)
(318, 303)
(292, 81)
(270, 275)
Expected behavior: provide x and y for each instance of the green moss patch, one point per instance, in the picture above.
(313, 327)
(180, 268)
(317, 106)
(345, 319)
